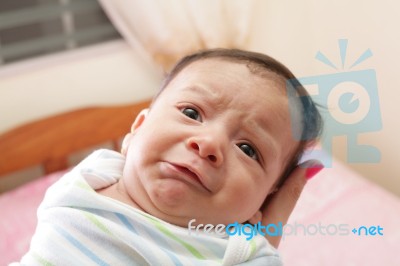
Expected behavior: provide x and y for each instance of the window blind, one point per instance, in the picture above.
(30, 28)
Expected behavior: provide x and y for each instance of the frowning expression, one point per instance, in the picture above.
(212, 145)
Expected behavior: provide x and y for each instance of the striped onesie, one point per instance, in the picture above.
(77, 226)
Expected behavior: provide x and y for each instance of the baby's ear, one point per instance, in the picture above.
(125, 143)
(136, 124)
(139, 119)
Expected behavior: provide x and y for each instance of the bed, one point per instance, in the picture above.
(335, 202)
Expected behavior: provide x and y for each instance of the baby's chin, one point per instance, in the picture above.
(174, 202)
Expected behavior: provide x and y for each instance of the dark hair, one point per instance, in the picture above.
(311, 119)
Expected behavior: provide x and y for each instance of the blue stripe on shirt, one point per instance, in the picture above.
(79, 246)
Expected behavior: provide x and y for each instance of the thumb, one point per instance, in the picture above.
(279, 207)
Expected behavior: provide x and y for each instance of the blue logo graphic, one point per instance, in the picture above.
(349, 104)
(368, 230)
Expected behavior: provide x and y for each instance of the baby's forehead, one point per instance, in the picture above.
(268, 77)
(269, 73)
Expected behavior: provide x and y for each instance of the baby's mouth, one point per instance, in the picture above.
(189, 173)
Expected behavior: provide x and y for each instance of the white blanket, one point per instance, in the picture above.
(77, 226)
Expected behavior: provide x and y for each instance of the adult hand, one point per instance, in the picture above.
(281, 204)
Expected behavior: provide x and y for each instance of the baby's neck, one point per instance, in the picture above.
(116, 191)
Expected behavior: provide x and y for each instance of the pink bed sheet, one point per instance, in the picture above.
(18, 219)
(339, 196)
(335, 196)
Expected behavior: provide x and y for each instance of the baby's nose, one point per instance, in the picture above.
(207, 147)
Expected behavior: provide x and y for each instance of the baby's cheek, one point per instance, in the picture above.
(242, 195)
(258, 192)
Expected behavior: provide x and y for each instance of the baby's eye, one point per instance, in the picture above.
(248, 150)
(191, 113)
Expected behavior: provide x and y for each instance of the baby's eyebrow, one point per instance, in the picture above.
(211, 96)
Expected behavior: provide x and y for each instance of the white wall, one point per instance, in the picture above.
(293, 32)
(106, 74)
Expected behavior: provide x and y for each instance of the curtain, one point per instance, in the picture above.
(161, 31)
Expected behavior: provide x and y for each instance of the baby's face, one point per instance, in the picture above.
(212, 145)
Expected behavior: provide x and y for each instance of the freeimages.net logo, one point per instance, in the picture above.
(350, 106)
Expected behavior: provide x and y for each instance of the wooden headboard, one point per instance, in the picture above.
(49, 142)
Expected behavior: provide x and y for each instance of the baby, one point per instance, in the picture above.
(215, 142)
